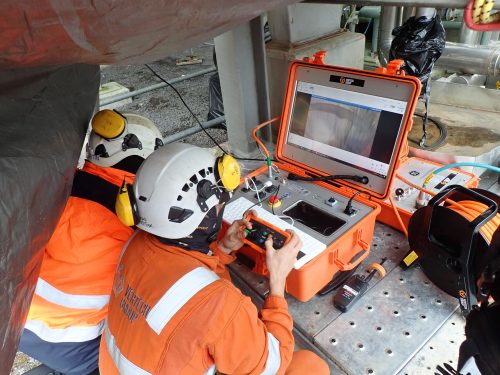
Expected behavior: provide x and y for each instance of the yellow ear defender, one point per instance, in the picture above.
(126, 206)
(228, 172)
(109, 124)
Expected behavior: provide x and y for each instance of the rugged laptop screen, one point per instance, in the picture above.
(347, 123)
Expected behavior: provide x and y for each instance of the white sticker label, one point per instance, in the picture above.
(349, 289)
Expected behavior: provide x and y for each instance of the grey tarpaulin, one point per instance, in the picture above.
(118, 31)
(44, 114)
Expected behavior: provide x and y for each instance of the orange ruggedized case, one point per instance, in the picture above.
(354, 246)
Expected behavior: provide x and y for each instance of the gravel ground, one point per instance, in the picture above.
(164, 108)
(23, 363)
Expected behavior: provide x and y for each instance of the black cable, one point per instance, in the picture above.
(196, 118)
(360, 179)
(348, 208)
(276, 195)
(443, 133)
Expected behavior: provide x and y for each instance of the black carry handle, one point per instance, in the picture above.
(467, 298)
(479, 221)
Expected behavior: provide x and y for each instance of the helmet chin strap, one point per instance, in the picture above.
(213, 235)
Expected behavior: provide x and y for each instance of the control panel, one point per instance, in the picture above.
(261, 230)
(416, 171)
(317, 214)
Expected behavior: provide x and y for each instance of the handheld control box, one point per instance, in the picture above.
(261, 230)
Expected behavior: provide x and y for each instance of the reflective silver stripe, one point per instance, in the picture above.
(273, 359)
(75, 301)
(124, 366)
(210, 371)
(177, 296)
(69, 334)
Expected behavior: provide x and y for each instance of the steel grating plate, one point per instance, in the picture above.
(313, 316)
(388, 326)
(443, 347)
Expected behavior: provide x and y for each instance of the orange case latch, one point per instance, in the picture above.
(318, 58)
(393, 68)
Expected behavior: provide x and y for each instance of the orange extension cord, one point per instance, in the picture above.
(259, 142)
(472, 209)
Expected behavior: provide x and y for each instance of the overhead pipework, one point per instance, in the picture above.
(464, 59)
(387, 24)
(416, 3)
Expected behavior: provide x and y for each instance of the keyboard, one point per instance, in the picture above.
(311, 247)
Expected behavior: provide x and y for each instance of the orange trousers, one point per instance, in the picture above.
(305, 362)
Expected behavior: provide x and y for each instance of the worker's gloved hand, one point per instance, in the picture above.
(233, 238)
(280, 262)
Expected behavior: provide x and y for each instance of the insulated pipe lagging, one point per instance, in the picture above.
(464, 59)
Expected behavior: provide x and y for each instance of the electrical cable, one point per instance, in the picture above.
(194, 116)
(276, 195)
(360, 179)
(368, 26)
(398, 216)
(257, 191)
(348, 210)
(287, 217)
(443, 133)
(261, 145)
(471, 210)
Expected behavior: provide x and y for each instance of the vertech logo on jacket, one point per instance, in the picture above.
(178, 314)
(132, 305)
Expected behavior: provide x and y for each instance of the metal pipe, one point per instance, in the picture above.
(417, 3)
(485, 38)
(193, 130)
(399, 16)
(464, 59)
(425, 12)
(372, 12)
(117, 98)
(452, 25)
(408, 12)
(468, 36)
(352, 25)
(387, 24)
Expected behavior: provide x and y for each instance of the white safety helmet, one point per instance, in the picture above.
(115, 136)
(178, 184)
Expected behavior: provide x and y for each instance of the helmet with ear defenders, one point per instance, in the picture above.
(126, 206)
(177, 185)
(115, 136)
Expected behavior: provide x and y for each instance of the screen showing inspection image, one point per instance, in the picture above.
(353, 128)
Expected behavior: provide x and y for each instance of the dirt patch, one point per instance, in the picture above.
(457, 135)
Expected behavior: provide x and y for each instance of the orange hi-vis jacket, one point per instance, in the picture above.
(72, 293)
(175, 312)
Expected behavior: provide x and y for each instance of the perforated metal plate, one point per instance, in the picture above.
(388, 326)
(314, 315)
(443, 347)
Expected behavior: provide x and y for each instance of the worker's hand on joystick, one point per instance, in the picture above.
(280, 262)
(233, 238)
